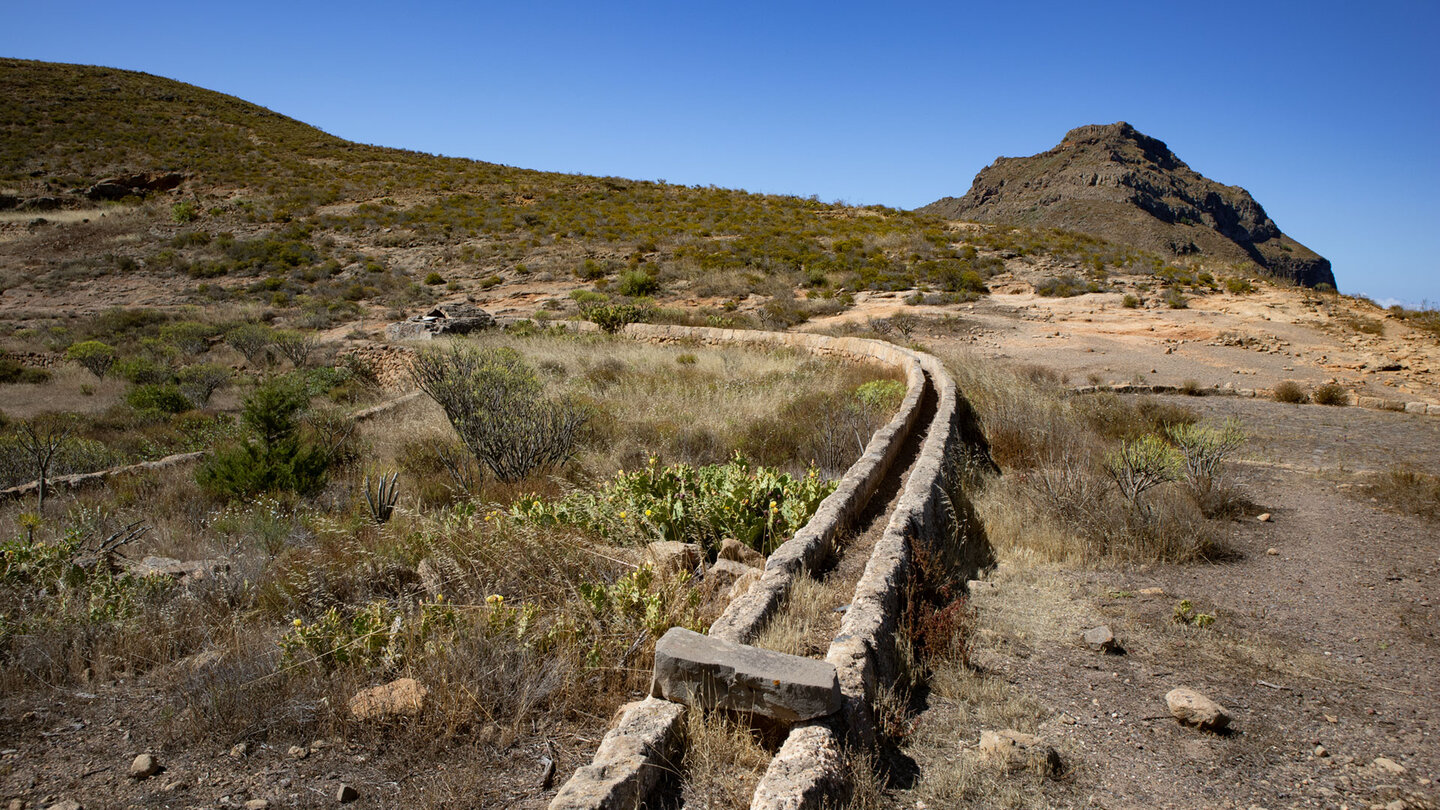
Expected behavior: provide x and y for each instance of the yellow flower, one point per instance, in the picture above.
(439, 597)
(647, 513)
(494, 599)
(298, 623)
(623, 515)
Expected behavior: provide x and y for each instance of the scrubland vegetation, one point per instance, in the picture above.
(524, 585)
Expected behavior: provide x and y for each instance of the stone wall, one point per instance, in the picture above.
(808, 764)
(1372, 403)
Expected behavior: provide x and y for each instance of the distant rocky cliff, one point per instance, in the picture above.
(1122, 185)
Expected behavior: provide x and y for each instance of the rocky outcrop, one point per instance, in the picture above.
(447, 319)
(134, 185)
(1122, 185)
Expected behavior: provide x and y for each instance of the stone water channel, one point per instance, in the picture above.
(860, 540)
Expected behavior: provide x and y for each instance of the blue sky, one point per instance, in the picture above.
(1327, 112)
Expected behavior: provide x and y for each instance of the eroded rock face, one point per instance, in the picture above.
(1122, 185)
(702, 671)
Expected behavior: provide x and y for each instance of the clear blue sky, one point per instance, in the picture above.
(1328, 112)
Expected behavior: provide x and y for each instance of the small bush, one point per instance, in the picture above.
(1176, 299)
(611, 318)
(1330, 394)
(1239, 286)
(157, 398)
(638, 283)
(142, 370)
(499, 407)
(94, 356)
(434, 278)
(199, 382)
(1407, 490)
(1130, 301)
(251, 339)
(13, 371)
(1192, 388)
(183, 212)
(1291, 392)
(687, 360)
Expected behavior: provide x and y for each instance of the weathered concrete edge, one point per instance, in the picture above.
(610, 783)
(646, 742)
(802, 774)
(1369, 403)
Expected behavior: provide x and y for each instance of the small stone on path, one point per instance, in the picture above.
(298, 752)
(256, 804)
(144, 767)
(346, 794)
(1272, 551)
(1321, 752)
(1192, 708)
(1264, 517)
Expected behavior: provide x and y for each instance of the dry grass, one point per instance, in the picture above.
(1408, 490)
(724, 760)
(806, 623)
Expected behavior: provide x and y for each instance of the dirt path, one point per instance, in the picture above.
(1331, 641)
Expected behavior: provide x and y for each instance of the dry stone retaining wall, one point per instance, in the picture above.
(1372, 403)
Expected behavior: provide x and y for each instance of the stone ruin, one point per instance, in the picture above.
(446, 319)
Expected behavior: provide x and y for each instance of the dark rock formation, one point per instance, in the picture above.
(138, 185)
(1119, 184)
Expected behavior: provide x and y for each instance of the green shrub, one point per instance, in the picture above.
(275, 458)
(190, 337)
(1130, 301)
(638, 283)
(499, 408)
(1291, 392)
(1239, 286)
(1175, 299)
(199, 382)
(434, 278)
(760, 507)
(612, 318)
(1066, 286)
(251, 339)
(13, 371)
(157, 398)
(183, 212)
(143, 370)
(95, 356)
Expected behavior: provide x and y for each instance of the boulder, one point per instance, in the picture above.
(671, 557)
(446, 319)
(404, 697)
(732, 549)
(703, 671)
(1192, 708)
(1015, 751)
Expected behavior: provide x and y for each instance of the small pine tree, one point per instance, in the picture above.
(276, 458)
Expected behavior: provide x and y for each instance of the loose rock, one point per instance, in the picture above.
(1192, 708)
(256, 804)
(1389, 765)
(1272, 551)
(404, 697)
(1264, 517)
(239, 750)
(672, 557)
(297, 752)
(144, 766)
(1100, 638)
(732, 549)
(346, 794)
(1014, 751)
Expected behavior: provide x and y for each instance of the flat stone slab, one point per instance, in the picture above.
(702, 671)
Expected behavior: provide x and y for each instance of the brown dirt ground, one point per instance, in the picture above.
(1332, 641)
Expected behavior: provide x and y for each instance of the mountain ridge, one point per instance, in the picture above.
(1113, 181)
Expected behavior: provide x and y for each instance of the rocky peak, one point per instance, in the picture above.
(1113, 181)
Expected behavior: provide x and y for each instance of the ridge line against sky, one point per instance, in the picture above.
(1327, 112)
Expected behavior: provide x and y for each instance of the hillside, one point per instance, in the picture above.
(312, 218)
(1122, 185)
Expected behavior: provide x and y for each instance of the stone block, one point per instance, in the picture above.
(671, 557)
(1415, 407)
(732, 549)
(703, 671)
(634, 756)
